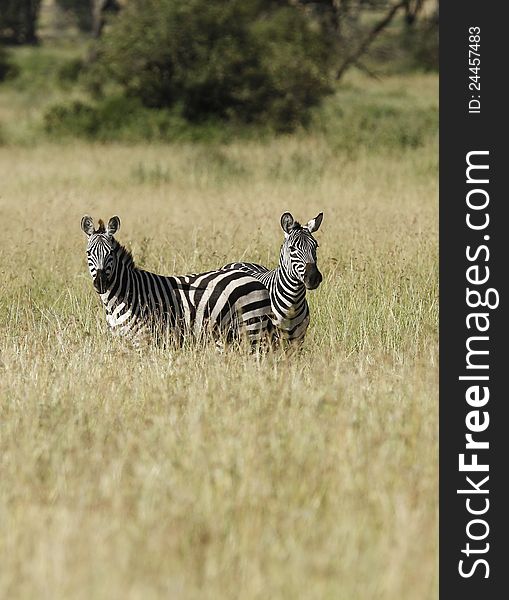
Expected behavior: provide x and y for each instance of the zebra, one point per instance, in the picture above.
(287, 284)
(137, 302)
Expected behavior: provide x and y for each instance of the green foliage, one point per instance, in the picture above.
(240, 61)
(83, 14)
(380, 126)
(423, 45)
(80, 11)
(85, 120)
(70, 71)
(40, 70)
(371, 115)
(8, 70)
(407, 49)
(77, 117)
(18, 19)
(123, 118)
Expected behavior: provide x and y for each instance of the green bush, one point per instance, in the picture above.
(253, 62)
(420, 43)
(76, 119)
(8, 70)
(18, 20)
(70, 71)
(120, 118)
(115, 118)
(350, 123)
(80, 12)
(425, 48)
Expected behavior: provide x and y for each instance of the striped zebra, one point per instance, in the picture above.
(287, 283)
(137, 302)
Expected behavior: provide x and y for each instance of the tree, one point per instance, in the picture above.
(251, 61)
(7, 68)
(361, 48)
(342, 19)
(89, 14)
(18, 21)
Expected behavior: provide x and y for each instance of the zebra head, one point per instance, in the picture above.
(100, 250)
(298, 252)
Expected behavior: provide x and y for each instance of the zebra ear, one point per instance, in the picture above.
(113, 226)
(315, 223)
(287, 222)
(87, 225)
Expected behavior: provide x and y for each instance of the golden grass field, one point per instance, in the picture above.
(195, 474)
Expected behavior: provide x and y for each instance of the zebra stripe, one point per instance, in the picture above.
(287, 284)
(229, 305)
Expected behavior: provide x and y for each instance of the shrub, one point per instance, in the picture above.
(18, 21)
(126, 119)
(115, 118)
(80, 12)
(420, 41)
(70, 71)
(78, 118)
(8, 70)
(257, 61)
(425, 49)
(350, 123)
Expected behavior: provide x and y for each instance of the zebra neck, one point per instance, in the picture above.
(121, 290)
(288, 303)
(124, 257)
(287, 293)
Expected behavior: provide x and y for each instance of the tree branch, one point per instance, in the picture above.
(354, 57)
(363, 67)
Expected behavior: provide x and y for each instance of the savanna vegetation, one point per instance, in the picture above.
(195, 474)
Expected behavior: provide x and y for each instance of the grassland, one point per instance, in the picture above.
(205, 475)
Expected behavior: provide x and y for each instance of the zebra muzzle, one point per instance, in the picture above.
(312, 276)
(101, 281)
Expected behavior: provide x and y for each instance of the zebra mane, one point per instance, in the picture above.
(101, 228)
(125, 255)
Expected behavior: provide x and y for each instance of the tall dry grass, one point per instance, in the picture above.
(198, 474)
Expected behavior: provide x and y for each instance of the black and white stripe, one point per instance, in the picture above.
(229, 305)
(287, 284)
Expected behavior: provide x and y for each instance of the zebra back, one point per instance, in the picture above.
(290, 312)
(228, 304)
